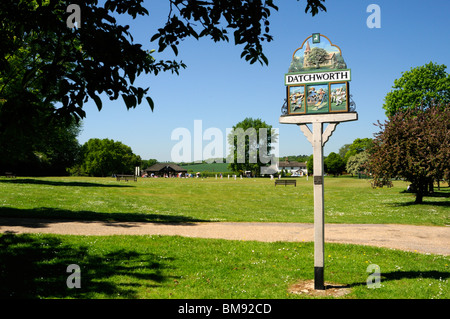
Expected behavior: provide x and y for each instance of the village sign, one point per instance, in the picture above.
(318, 79)
(317, 85)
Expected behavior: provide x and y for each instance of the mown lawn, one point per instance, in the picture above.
(347, 200)
(165, 267)
(162, 267)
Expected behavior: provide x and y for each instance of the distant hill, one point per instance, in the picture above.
(203, 167)
(295, 158)
(223, 167)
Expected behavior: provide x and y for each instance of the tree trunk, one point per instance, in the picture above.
(419, 193)
(431, 186)
(419, 198)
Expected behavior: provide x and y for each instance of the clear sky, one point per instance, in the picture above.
(221, 89)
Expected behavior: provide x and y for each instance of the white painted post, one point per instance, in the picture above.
(319, 224)
(318, 138)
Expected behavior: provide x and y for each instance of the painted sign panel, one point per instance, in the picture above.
(339, 97)
(318, 79)
(297, 101)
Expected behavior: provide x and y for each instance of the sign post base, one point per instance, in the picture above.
(319, 283)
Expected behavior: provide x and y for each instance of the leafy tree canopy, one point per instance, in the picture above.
(310, 164)
(421, 85)
(334, 164)
(415, 145)
(50, 147)
(147, 163)
(358, 145)
(295, 158)
(105, 157)
(357, 163)
(49, 71)
(71, 66)
(249, 149)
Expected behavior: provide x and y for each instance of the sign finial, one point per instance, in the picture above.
(316, 38)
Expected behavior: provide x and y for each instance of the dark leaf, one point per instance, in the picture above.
(175, 49)
(150, 102)
(97, 101)
(155, 36)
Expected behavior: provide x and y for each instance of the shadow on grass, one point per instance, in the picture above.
(42, 216)
(442, 193)
(36, 267)
(431, 203)
(439, 194)
(426, 201)
(400, 275)
(429, 274)
(60, 183)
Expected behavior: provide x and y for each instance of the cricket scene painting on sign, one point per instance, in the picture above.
(297, 99)
(317, 99)
(338, 97)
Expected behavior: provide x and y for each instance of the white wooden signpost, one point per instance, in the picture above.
(318, 93)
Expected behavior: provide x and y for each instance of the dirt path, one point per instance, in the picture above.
(422, 239)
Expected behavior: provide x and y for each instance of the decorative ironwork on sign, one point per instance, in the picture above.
(318, 78)
(352, 104)
(284, 109)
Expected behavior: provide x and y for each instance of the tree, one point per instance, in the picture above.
(49, 147)
(297, 158)
(48, 70)
(105, 157)
(334, 164)
(147, 163)
(343, 150)
(357, 163)
(415, 145)
(71, 65)
(359, 145)
(32, 140)
(247, 20)
(251, 144)
(60, 145)
(423, 85)
(310, 165)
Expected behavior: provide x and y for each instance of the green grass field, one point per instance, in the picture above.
(34, 266)
(347, 200)
(154, 267)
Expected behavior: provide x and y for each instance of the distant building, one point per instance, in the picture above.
(293, 167)
(165, 170)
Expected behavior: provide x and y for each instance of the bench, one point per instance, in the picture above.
(9, 174)
(286, 182)
(126, 177)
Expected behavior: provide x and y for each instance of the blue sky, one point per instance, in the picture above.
(221, 89)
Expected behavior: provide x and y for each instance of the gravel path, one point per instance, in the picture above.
(422, 239)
